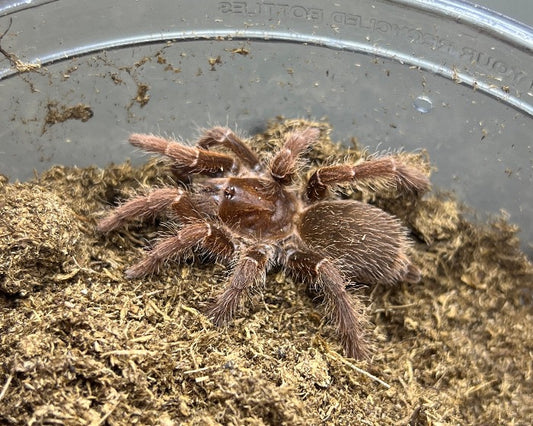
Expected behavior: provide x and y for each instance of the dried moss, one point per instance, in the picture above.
(81, 345)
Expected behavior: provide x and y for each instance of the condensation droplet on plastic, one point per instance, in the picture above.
(423, 104)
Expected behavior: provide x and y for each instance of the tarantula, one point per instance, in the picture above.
(253, 215)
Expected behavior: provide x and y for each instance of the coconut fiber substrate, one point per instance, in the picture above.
(82, 345)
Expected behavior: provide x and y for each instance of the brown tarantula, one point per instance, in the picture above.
(254, 215)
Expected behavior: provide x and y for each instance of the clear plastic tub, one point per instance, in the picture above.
(457, 80)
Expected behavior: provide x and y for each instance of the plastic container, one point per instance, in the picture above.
(441, 75)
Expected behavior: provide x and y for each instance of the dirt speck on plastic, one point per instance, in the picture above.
(60, 113)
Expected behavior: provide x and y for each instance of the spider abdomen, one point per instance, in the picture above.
(368, 244)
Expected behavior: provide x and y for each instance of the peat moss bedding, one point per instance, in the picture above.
(81, 345)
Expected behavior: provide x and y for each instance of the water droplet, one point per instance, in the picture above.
(423, 104)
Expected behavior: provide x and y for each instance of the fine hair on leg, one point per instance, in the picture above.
(345, 311)
(249, 271)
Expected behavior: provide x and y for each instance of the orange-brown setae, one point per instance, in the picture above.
(254, 215)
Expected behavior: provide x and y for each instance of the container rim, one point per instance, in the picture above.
(478, 16)
(462, 10)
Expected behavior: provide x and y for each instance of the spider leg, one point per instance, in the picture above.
(227, 138)
(285, 163)
(346, 312)
(209, 238)
(384, 172)
(144, 206)
(250, 270)
(193, 160)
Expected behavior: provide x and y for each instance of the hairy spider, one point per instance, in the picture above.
(254, 215)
